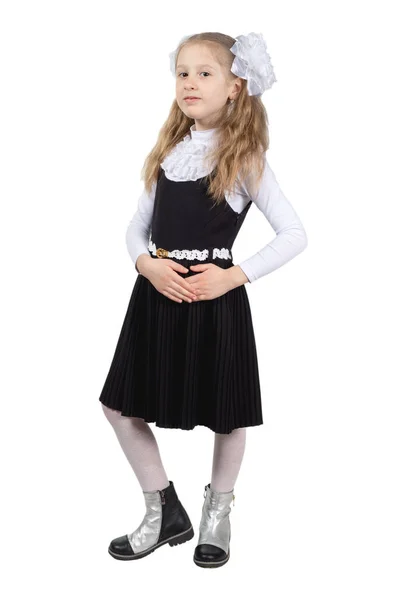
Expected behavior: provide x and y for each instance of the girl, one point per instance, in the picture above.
(186, 354)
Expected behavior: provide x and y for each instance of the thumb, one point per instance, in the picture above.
(177, 267)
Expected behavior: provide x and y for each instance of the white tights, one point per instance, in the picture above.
(141, 449)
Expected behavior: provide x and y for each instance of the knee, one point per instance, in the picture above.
(117, 419)
(111, 414)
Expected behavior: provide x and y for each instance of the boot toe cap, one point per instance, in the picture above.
(121, 546)
(208, 552)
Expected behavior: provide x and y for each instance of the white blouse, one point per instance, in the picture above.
(185, 162)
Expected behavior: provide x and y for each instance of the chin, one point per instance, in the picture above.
(190, 113)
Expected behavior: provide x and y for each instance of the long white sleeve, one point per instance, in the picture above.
(137, 234)
(291, 238)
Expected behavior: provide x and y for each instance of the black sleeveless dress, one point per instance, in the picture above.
(179, 365)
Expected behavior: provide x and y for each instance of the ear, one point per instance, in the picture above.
(235, 88)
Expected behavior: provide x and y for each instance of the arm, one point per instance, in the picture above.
(290, 239)
(137, 234)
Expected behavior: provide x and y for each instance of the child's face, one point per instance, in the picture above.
(198, 74)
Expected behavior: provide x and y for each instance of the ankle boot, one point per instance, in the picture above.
(215, 529)
(165, 521)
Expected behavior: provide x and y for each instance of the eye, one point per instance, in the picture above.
(183, 73)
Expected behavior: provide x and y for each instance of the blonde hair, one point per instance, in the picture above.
(243, 135)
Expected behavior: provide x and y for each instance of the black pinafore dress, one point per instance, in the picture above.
(179, 365)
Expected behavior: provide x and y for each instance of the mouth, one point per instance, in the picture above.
(191, 98)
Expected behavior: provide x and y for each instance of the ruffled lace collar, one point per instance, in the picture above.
(185, 161)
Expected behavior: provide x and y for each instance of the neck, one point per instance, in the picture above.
(202, 126)
(202, 134)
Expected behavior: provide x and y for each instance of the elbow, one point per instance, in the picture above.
(304, 240)
(127, 234)
(128, 239)
(300, 235)
(296, 235)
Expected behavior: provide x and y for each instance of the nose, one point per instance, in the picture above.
(188, 83)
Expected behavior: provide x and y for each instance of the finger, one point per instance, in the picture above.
(178, 293)
(185, 281)
(177, 266)
(191, 290)
(188, 284)
(191, 280)
(171, 297)
(179, 285)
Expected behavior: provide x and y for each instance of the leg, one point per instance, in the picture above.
(227, 460)
(212, 549)
(166, 520)
(141, 449)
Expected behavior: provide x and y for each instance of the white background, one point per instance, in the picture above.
(85, 88)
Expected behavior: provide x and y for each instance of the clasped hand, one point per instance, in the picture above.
(210, 281)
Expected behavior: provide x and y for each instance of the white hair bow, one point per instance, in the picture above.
(252, 62)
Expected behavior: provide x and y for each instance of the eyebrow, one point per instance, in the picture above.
(197, 66)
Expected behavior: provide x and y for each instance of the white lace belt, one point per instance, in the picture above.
(190, 254)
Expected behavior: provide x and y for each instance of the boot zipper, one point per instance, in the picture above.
(162, 494)
(205, 494)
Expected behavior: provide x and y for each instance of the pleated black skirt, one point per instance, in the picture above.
(179, 365)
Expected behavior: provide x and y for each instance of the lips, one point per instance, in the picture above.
(191, 98)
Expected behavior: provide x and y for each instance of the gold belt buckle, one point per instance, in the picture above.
(161, 253)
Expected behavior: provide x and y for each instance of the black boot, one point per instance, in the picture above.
(165, 521)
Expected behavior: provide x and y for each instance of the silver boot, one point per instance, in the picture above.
(212, 549)
(165, 521)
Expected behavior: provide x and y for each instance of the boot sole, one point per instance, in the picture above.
(175, 540)
(212, 565)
